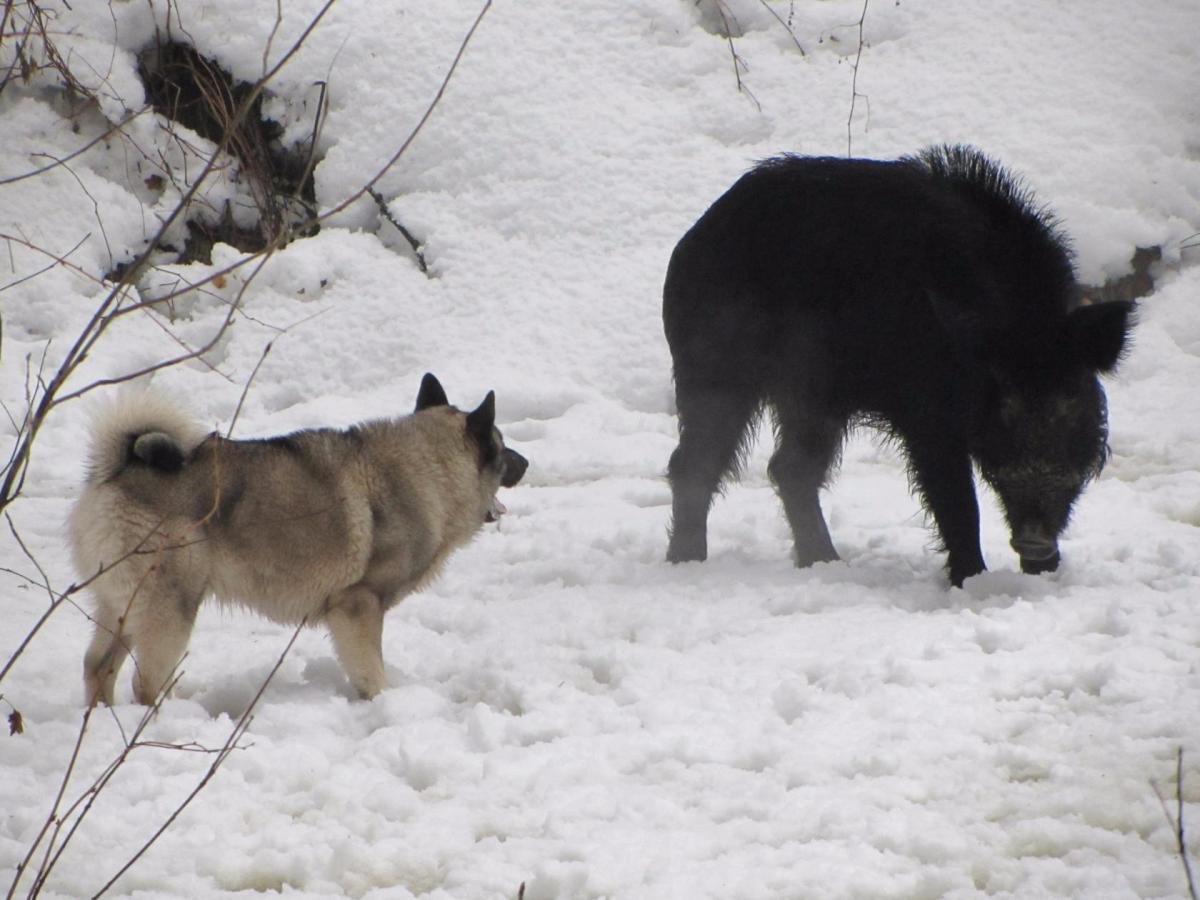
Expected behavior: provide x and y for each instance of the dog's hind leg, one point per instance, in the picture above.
(105, 654)
(355, 621)
(162, 627)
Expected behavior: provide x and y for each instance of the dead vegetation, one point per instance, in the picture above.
(185, 87)
(196, 99)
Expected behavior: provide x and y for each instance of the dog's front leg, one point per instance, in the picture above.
(355, 620)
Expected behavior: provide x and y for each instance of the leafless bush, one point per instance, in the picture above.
(726, 25)
(185, 87)
(723, 23)
(284, 199)
(27, 27)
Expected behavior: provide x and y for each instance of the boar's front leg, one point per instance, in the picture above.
(940, 468)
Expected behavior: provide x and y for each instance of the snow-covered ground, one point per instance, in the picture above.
(567, 711)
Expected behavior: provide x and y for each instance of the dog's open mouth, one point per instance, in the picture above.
(495, 511)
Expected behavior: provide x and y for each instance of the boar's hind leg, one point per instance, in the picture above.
(806, 449)
(713, 424)
(941, 470)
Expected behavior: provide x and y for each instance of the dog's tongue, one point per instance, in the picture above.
(496, 510)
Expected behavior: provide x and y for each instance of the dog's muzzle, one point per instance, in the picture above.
(514, 467)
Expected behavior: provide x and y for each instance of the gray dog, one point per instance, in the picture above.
(319, 525)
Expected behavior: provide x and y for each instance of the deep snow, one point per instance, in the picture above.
(566, 710)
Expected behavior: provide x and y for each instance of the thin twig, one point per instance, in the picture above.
(727, 32)
(786, 26)
(47, 395)
(246, 389)
(109, 132)
(433, 104)
(95, 206)
(854, 94)
(53, 816)
(87, 799)
(58, 598)
(230, 745)
(1180, 837)
(98, 323)
(174, 338)
(404, 232)
(271, 37)
(55, 602)
(56, 261)
(52, 395)
(1176, 822)
(318, 128)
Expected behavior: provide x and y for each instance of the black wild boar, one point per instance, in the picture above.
(929, 296)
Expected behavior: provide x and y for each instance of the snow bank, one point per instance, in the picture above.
(567, 711)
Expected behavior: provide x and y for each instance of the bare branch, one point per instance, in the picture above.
(266, 55)
(246, 389)
(50, 394)
(404, 232)
(318, 129)
(55, 602)
(412, 135)
(87, 799)
(1180, 838)
(52, 817)
(230, 745)
(45, 394)
(102, 317)
(95, 206)
(854, 94)
(787, 26)
(729, 26)
(57, 261)
(99, 139)
(1176, 822)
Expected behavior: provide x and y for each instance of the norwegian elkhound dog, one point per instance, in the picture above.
(318, 525)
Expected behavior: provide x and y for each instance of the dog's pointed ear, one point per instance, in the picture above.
(431, 393)
(481, 421)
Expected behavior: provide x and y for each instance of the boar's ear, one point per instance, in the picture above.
(431, 393)
(1098, 333)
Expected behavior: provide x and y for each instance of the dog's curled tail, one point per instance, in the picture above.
(140, 426)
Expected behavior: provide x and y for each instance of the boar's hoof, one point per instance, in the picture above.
(959, 574)
(687, 548)
(803, 558)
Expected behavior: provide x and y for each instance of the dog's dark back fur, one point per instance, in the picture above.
(929, 295)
